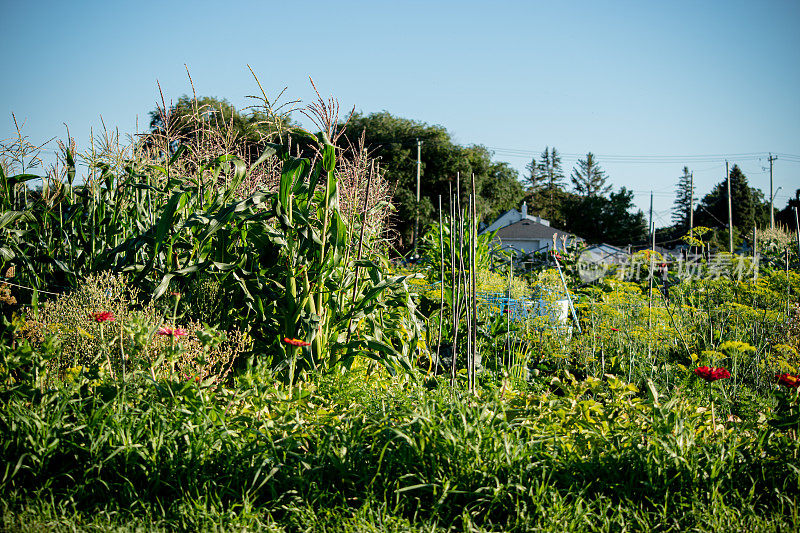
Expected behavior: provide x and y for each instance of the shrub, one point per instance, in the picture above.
(128, 341)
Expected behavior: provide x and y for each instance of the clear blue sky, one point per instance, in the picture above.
(625, 80)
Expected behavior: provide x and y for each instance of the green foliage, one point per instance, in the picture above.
(748, 206)
(364, 450)
(611, 220)
(684, 201)
(609, 429)
(393, 140)
(588, 178)
(454, 242)
(127, 343)
(787, 216)
(286, 256)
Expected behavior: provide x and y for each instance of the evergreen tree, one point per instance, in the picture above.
(747, 203)
(684, 201)
(550, 169)
(535, 180)
(551, 191)
(588, 178)
(785, 216)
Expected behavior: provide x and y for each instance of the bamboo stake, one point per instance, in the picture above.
(441, 287)
(454, 201)
(461, 274)
(507, 358)
(650, 294)
(473, 269)
(468, 297)
(452, 263)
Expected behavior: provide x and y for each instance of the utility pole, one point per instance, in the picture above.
(416, 218)
(652, 231)
(771, 196)
(730, 210)
(691, 203)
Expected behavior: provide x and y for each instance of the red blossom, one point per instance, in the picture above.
(788, 380)
(296, 342)
(103, 316)
(614, 329)
(711, 373)
(173, 332)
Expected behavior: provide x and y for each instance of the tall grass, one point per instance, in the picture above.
(361, 449)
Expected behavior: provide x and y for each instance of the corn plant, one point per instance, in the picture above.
(282, 257)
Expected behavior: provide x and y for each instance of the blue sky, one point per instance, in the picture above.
(643, 85)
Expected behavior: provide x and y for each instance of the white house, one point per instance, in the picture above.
(606, 254)
(527, 233)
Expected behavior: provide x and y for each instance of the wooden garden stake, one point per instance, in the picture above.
(441, 286)
(473, 268)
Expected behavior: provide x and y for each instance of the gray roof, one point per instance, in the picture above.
(528, 229)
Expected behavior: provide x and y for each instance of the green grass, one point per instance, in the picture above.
(361, 453)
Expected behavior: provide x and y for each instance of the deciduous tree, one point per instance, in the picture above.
(393, 140)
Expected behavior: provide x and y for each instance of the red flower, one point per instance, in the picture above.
(103, 316)
(296, 342)
(789, 380)
(173, 332)
(710, 373)
(614, 329)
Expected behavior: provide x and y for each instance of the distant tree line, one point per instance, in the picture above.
(749, 209)
(393, 142)
(590, 209)
(583, 203)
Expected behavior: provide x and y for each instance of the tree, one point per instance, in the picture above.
(684, 201)
(553, 177)
(534, 180)
(588, 178)
(550, 169)
(393, 141)
(545, 193)
(501, 191)
(612, 220)
(748, 205)
(215, 124)
(786, 215)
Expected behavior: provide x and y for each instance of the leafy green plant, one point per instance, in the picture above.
(284, 256)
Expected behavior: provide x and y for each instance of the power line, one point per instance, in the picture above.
(643, 159)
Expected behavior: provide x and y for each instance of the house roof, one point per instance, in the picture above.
(528, 229)
(607, 248)
(511, 216)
